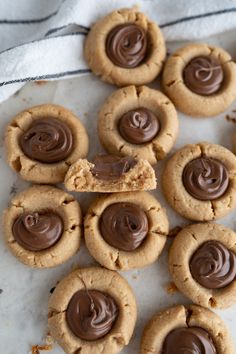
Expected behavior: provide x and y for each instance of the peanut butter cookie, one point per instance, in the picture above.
(139, 122)
(200, 79)
(43, 141)
(125, 48)
(126, 230)
(202, 261)
(110, 173)
(186, 329)
(92, 311)
(199, 181)
(42, 226)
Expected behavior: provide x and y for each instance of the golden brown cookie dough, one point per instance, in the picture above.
(186, 204)
(43, 200)
(205, 271)
(219, 90)
(143, 238)
(160, 117)
(136, 52)
(116, 174)
(192, 316)
(36, 170)
(108, 282)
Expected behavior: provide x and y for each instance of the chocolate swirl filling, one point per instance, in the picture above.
(189, 340)
(48, 140)
(124, 226)
(91, 314)
(126, 45)
(203, 75)
(205, 178)
(139, 126)
(213, 265)
(37, 231)
(111, 167)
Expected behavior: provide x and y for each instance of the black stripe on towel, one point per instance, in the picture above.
(56, 29)
(27, 22)
(46, 77)
(195, 17)
(31, 21)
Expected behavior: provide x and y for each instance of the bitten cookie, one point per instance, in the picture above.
(202, 261)
(186, 329)
(139, 122)
(199, 181)
(42, 226)
(200, 79)
(125, 48)
(92, 311)
(43, 141)
(110, 173)
(126, 230)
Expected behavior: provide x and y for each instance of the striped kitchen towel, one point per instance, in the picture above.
(43, 40)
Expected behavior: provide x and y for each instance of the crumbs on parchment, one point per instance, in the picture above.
(45, 347)
(36, 348)
(40, 82)
(229, 118)
(171, 288)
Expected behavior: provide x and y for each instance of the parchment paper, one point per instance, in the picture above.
(25, 291)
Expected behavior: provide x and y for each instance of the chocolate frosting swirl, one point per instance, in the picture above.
(203, 75)
(126, 45)
(213, 265)
(47, 140)
(91, 314)
(110, 167)
(139, 126)
(205, 178)
(189, 340)
(37, 231)
(124, 226)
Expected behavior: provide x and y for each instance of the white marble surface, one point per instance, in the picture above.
(25, 292)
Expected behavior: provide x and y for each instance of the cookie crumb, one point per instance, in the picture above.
(40, 82)
(49, 339)
(171, 288)
(229, 118)
(173, 232)
(36, 348)
(134, 276)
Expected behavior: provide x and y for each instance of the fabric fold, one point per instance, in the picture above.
(44, 40)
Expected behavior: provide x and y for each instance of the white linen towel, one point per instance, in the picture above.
(43, 40)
